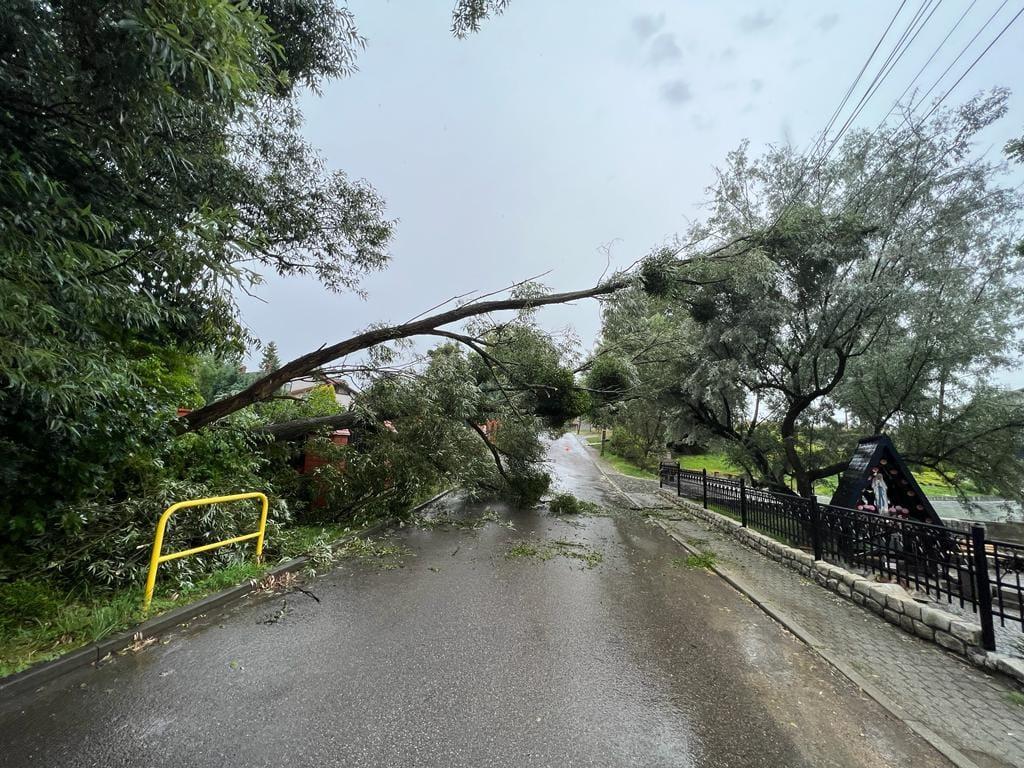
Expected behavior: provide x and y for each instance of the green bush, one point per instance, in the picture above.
(528, 484)
(567, 504)
(632, 448)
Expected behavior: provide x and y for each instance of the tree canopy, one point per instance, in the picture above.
(152, 163)
(878, 292)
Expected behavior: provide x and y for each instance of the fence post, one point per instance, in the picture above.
(679, 480)
(743, 502)
(661, 474)
(704, 482)
(982, 588)
(816, 530)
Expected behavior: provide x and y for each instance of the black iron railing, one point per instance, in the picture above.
(945, 563)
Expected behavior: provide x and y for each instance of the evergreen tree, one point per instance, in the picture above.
(270, 361)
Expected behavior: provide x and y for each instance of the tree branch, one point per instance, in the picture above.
(264, 387)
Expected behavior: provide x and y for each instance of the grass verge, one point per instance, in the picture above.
(39, 621)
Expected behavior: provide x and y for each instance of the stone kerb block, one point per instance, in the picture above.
(923, 630)
(946, 640)
(912, 608)
(935, 618)
(1010, 666)
(894, 603)
(968, 633)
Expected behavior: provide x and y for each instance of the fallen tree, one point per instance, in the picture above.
(265, 387)
(295, 429)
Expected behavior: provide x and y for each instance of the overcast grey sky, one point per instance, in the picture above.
(566, 125)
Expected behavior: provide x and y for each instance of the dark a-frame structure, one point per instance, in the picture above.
(855, 482)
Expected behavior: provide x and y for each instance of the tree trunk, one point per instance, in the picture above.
(299, 428)
(804, 483)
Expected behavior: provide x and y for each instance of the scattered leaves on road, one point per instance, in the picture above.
(558, 548)
(471, 522)
(705, 560)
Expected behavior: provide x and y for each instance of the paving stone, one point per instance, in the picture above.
(965, 705)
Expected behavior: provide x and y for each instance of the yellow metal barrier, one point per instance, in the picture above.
(156, 558)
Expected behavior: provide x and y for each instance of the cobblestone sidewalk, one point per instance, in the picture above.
(981, 715)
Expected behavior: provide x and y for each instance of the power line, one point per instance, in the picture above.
(899, 48)
(925, 65)
(898, 147)
(968, 70)
(893, 59)
(856, 80)
(960, 55)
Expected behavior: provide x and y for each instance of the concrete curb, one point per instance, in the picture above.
(951, 753)
(46, 671)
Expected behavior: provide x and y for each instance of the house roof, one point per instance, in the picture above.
(306, 383)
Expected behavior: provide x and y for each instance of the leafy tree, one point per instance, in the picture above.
(153, 164)
(469, 14)
(151, 161)
(510, 376)
(218, 376)
(270, 361)
(880, 291)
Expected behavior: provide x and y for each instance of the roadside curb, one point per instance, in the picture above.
(46, 671)
(951, 753)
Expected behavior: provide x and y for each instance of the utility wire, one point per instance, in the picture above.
(960, 55)
(898, 49)
(893, 59)
(919, 122)
(973, 63)
(920, 72)
(856, 80)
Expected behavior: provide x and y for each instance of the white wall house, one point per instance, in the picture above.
(343, 391)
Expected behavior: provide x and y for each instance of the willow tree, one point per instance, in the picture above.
(153, 166)
(876, 291)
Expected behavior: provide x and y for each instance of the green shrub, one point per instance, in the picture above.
(567, 504)
(632, 448)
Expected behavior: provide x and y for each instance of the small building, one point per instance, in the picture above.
(344, 393)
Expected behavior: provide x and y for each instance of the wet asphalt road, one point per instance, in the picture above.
(465, 657)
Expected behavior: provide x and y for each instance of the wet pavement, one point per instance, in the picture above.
(464, 656)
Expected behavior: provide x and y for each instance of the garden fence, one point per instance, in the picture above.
(946, 564)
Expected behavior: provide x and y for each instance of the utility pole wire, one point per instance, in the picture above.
(968, 70)
(920, 72)
(959, 56)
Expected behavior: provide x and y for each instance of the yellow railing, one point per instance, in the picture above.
(156, 558)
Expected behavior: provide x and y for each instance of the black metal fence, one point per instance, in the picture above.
(945, 563)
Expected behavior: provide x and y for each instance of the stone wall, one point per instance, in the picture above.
(890, 601)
